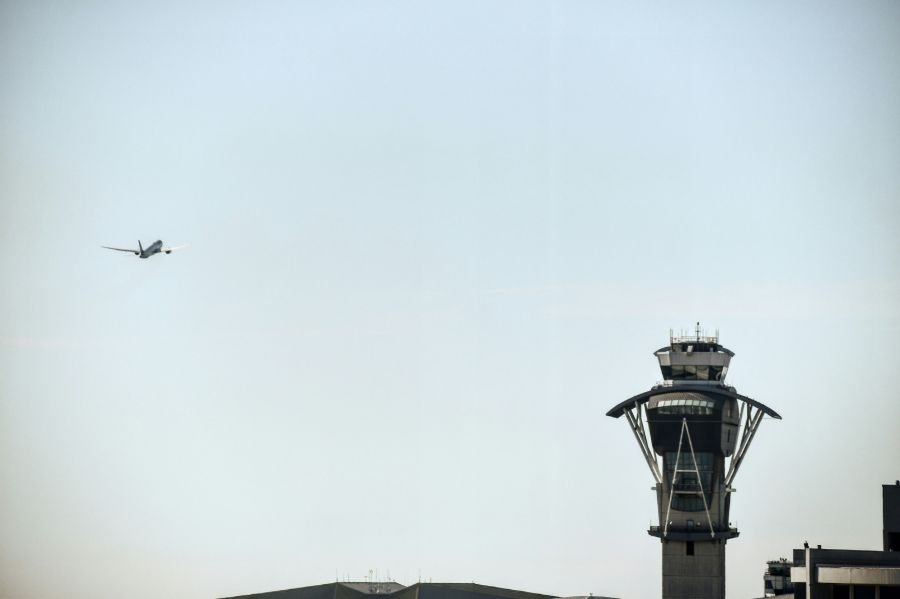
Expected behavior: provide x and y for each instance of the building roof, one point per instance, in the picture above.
(394, 590)
(644, 397)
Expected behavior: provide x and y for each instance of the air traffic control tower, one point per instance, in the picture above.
(695, 422)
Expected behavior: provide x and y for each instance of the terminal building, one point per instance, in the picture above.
(849, 574)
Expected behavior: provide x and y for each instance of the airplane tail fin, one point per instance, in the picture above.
(140, 246)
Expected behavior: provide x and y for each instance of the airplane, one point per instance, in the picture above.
(154, 248)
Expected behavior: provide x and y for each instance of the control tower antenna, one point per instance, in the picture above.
(694, 422)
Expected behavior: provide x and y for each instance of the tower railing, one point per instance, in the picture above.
(699, 336)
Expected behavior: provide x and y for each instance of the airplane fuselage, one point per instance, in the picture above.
(150, 250)
(154, 248)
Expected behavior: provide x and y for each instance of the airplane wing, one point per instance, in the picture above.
(120, 249)
(170, 250)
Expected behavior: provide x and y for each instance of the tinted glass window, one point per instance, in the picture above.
(686, 407)
(686, 484)
(693, 373)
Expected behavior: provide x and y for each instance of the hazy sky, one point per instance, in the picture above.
(431, 244)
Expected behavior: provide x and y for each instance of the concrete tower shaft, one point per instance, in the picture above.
(694, 431)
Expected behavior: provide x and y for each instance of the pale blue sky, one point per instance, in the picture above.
(431, 244)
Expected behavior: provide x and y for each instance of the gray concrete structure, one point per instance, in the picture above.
(845, 573)
(701, 429)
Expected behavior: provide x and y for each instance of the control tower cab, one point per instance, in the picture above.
(687, 426)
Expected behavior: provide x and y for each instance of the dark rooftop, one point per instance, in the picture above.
(420, 590)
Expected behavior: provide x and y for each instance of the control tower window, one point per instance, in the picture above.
(686, 407)
(692, 373)
(687, 485)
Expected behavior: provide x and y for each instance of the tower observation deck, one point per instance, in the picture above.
(693, 430)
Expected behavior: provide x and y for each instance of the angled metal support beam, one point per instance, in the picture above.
(744, 433)
(712, 533)
(674, 476)
(686, 432)
(654, 463)
(748, 418)
(750, 428)
(637, 427)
